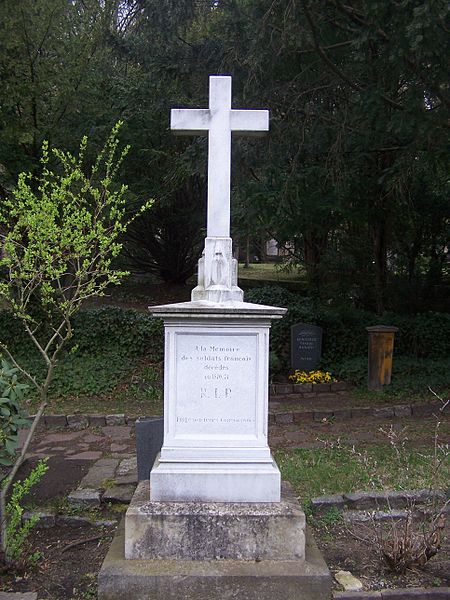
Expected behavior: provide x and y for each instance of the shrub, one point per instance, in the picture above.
(98, 331)
(18, 530)
(423, 336)
(11, 394)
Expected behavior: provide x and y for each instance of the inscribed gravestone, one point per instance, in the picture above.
(306, 346)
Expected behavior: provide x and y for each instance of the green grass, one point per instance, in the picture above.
(327, 471)
(269, 272)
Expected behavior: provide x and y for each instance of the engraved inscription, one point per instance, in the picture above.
(216, 384)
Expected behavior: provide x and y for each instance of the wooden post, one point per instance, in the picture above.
(381, 346)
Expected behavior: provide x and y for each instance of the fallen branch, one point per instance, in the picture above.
(94, 538)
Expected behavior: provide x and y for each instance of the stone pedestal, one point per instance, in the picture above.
(214, 530)
(212, 551)
(216, 404)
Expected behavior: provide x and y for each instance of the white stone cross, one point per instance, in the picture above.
(218, 121)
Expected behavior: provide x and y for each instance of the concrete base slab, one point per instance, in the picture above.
(120, 578)
(214, 530)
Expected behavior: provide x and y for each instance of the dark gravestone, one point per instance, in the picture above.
(149, 439)
(306, 346)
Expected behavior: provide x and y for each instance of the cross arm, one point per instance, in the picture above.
(249, 122)
(190, 121)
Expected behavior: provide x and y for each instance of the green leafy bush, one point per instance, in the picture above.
(17, 530)
(105, 346)
(98, 331)
(11, 416)
(425, 335)
(128, 331)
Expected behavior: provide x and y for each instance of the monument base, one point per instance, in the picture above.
(206, 482)
(212, 551)
(214, 530)
(165, 579)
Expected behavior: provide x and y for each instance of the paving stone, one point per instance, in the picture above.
(55, 420)
(131, 478)
(348, 581)
(90, 438)
(342, 414)
(88, 455)
(284, 418)
(84, 497)
(362, 412)
(18, 595)
(127, 466)
(390, 515)
(119, 493)
(97, 420)
(106, 462)
(402, 410)
(115, 420)
(356, 516)
(386, 412)
(77, 422)
(66, 436)
(72, 520)
(46, 518)
(118, 447)
(117, 432)
(104, 469)
(303, 416)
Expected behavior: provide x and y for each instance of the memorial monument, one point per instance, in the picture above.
(215, 515)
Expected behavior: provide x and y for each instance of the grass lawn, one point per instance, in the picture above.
(269, 273)
(332, 470)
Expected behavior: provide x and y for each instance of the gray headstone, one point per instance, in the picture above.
(149, 438)
(306, 346)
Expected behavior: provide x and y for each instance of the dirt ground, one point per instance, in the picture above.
(345, 548)
(70, 560)
(72, 556)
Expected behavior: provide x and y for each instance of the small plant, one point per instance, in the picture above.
(410, 542)
(60, 232)
(311, 377)
(12, 418)
(18, 530)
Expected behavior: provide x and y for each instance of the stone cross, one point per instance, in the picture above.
(218, 121)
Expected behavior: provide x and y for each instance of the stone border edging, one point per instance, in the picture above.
(441, 593)
(49, 518)
(426, 409)
(78, 421)
(363, 501)
(311, 389)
